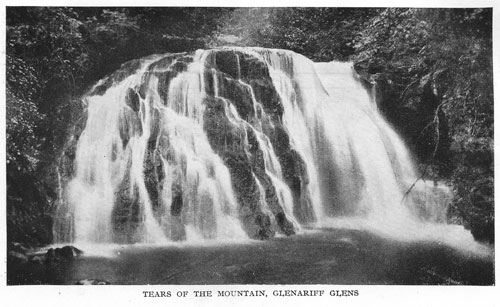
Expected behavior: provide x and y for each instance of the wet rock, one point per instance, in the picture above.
(252, 68)
(66, 253)
(177, 229)
(167, 69)
(176, 207)
(163, 62)
(123, 72)
(126, 217)
(153, 173)
(240, 96)
(133, 100)
(265, 229)
(16, 257)
(227, 62)
(253, 219)
(266, 94)
(239, 147)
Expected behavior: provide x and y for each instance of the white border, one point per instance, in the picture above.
(132, 295)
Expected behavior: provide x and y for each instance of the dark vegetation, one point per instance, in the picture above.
(431, 69)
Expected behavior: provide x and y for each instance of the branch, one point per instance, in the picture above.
(421, 177)
(403, 94)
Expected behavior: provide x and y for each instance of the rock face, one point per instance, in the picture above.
(240, 112)
(244, 81)
(66, 253)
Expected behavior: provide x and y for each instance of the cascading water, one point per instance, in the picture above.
(241, 142)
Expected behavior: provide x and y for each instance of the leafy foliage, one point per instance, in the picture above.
(318, 33)
(23, 117)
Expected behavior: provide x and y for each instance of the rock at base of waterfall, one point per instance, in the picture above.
(66, 253)
(92, 282)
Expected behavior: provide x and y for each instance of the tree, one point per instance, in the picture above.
(451, 50)
(322, 34)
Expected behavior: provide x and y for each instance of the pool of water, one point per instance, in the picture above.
(322, 256)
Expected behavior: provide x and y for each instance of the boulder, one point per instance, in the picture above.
(92, 282)
(66, 253)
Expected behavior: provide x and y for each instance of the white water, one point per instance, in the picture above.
(102, 163)
(359, 170)
(365, 174)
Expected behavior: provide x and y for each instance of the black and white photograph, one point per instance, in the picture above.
(230, 152)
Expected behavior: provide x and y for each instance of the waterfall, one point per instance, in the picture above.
(240, 142)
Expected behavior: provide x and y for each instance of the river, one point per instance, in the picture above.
(320, 256)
